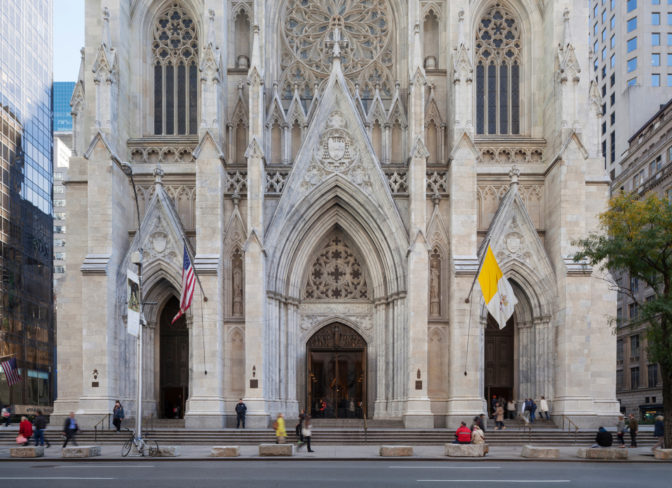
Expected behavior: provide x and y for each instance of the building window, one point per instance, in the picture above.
(595, 10)
(59, 256)
(632, 24)
(634, 345)
(604, 128)
(619, 379)
(604, 53)
(632, 81)
(655, 59)
(612, 61)
(634, 378)
(655, 38)
(655, 79)
(655, 18)
(669, 38)
(498, 73)
(612, 99)
(612, 42)
(612, 120)
(612, 156)
(669, 59)
(669, 79)
(619, 351)
(655, 2)
(59, 269)
(595, 29)
(632, 64)
(612, 23)
(604, 91)
(595, 64)
(612, 4)
(175, 62)
(631, 5)
(669, 19)
(612, 79)
(59, 203)
(604, 17)
(596, 47)
(634, 284)
(631, 44)
(604, 72)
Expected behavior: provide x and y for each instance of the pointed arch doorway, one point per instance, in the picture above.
(336, 366)
(499, 360)
(174, 362)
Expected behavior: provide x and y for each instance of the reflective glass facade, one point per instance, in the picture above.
(26, 225)
(61, 98)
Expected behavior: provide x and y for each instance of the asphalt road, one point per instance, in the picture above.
(326, 474)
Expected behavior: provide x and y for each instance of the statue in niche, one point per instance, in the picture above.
(237, 283)
(435, 284)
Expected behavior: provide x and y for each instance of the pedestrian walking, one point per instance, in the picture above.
(70, 429)
(481, 421)
(620, 430)
(307, 432)
(499, 417)
(25, 432)
(241, 410)
(658, 432)
(117, 415)
(533, 409)
(40, 425)
(525, 411)
(493, 405)
(511, 410)
(6, 415)
(299, 428)
(279, 427)
(633, 425)
(543, 408)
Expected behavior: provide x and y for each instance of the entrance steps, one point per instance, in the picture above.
(356, 424)
(538, 436)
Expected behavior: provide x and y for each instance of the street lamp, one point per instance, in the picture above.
(136, 258)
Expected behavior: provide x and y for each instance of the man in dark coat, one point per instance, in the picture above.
(70, 428)
(40, 425)
(241, 409)
(603, 438)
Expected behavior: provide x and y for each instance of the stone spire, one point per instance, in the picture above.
(514, 174)
(158, 175)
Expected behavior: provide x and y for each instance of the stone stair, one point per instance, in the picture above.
(538, 436)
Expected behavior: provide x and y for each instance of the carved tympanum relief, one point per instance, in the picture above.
(367, 54)
(336, 336)
(336, 274)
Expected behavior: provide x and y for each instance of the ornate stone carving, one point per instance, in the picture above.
(437, 182)
(175, 37)
(336, 153)
(235, 182)
(237, 283)
(366, 51)
(336, 274)
(435, 283)
(149, 150)
(275, 181)
(336, 336)
(398, 181)
(511, 155)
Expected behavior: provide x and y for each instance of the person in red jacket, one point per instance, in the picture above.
(463, 434)
(26, 429)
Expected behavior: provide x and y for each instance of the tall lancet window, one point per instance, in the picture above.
(175, 61)
(498, 58)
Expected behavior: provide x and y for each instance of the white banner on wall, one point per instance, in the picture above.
(133, 297)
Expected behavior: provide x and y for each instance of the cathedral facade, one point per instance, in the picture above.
(335, 168)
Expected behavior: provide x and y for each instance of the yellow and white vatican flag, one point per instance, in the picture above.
(497, 291)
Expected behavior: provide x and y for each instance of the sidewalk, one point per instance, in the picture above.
(333, 453)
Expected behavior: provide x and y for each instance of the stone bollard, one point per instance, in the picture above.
(26, 452)
(466, 450)
(225, 451)
(276, 449)
(167, 451)
(663, 454)
(540, 452)
(80, 451)
(396, 451)
(602, 453)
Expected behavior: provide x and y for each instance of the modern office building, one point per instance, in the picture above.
(631, 44)
(646, 168)
(26, 303)
(61, 96)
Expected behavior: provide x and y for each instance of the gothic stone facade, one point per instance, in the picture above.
(336, 166)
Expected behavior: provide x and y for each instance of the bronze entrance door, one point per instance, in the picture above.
(336, 383)
(498, 361)
(174, 363)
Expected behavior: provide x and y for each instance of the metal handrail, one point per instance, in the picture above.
(570, 424)
(101, 423)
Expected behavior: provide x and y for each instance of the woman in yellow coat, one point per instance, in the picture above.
(279, 426)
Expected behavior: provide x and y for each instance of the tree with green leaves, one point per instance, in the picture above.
(635, 237)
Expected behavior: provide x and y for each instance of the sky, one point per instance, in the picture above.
(68, 38)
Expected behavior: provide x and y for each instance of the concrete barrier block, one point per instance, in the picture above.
(276, 449)
(466, 450)
(540, 452)
(168, 451)
(80, 451)
(396, 451)
(602, 453)
(663, 454)
(26, 452)
(225, 451)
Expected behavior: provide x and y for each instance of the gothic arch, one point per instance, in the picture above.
(338, 202)
(526, 14)
(143, 16)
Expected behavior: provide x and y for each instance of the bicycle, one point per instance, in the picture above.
(152, 447)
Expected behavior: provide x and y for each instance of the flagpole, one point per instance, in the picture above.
(480, 265)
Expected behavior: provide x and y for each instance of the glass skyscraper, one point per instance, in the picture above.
(26, 224)
(62, 94)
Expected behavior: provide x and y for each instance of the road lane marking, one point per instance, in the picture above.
(443, 467)
(51, 478)
(494, 481)
(111, 465)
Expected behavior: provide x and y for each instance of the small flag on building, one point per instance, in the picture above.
(188, 285)
(133, 297)
(11, 371)
(497, 291)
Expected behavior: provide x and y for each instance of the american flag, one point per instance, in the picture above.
(188, 285)
(11, 371)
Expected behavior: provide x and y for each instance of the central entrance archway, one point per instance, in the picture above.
(499, 361)
(336, 365)
(174, 362)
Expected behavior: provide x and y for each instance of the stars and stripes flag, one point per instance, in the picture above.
(188, 285)
(497, 291)
(11, 371)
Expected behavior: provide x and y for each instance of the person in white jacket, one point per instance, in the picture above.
(543, 408)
